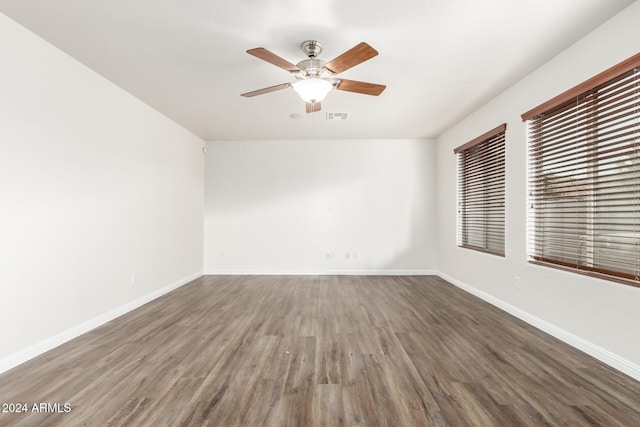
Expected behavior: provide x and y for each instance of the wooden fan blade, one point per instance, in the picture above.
(351, 58)
(272, 58)
(266, 90)
(312, 107)
(360, 87)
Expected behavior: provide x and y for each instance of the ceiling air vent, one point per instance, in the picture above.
(337, 116)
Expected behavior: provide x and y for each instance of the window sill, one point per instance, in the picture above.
(585, 272)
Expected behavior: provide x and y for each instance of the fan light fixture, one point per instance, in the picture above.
(312, 90)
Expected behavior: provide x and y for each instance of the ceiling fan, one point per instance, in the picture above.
(316, 78)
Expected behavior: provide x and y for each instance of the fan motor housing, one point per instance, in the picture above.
(313, 68)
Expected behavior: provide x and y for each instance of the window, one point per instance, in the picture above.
(481, 192)
(584, 177)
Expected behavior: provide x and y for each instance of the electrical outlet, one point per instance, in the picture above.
(133, 278)
(516, 282)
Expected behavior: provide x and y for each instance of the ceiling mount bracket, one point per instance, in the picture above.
(311, 48)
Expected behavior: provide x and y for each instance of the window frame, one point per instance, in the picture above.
(478, 153)
(574, 98)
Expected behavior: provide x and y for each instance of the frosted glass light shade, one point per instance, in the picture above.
(312, 89)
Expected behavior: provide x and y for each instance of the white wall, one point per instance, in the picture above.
(94, 186)
(281, 206)
(602, 313)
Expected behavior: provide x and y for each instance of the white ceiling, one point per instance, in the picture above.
(440, 59)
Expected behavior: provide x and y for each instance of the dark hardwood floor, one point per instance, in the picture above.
(318, 351)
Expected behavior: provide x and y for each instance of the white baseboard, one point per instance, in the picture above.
(214, 272)
(605, 356)
(37, 349)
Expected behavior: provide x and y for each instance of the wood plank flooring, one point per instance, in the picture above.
(319, 351)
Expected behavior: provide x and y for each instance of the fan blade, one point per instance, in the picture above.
(312, 107)
(360, 87)
(351, 58)
(266, 90)
(272, 58)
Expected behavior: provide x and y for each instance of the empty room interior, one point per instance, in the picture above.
(419, 212)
